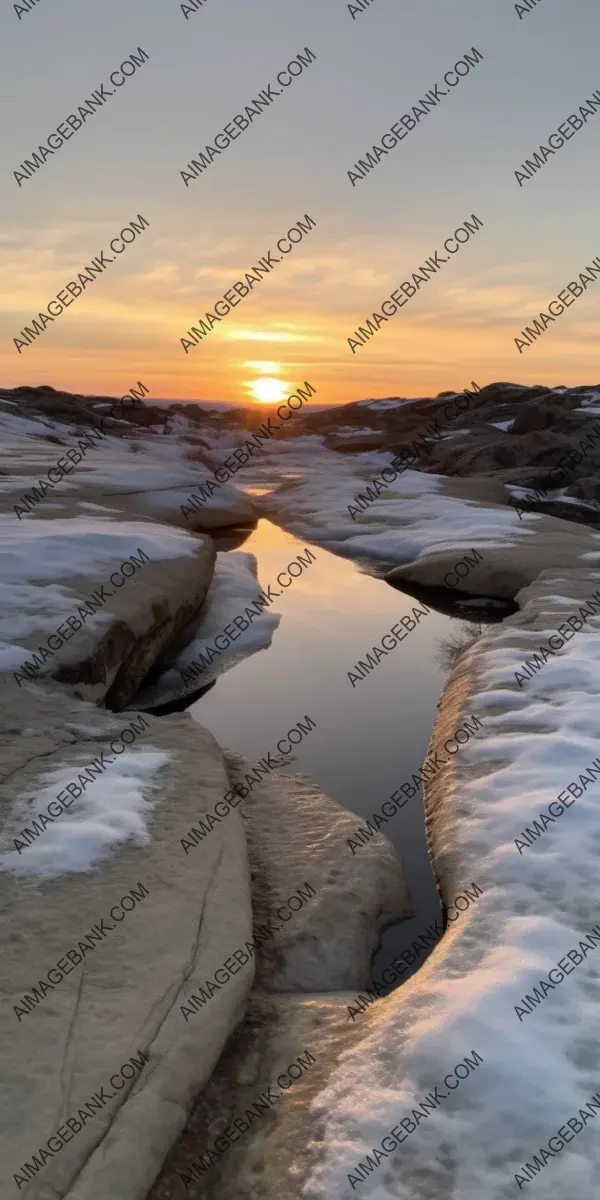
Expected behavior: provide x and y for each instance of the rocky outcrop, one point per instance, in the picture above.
(108, 464)
(121, 899)
(508, 433)
(100, 599)
(504, 570)
(526, 1076)
(533, 437)
(62, 1037)
(108, 927)
(362, 1077)
(318, 956)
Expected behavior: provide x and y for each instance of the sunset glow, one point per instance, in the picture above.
(268, 390)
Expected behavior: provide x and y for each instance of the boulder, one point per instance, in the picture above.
(298, 1007)
(297, 833)
(227, 507)
(125, 588)
(503, 569)
(157, 922)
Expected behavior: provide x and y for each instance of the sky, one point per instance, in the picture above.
(370, 68)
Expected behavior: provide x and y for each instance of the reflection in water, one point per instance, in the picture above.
(450, 648)
(370, 737)
(460, 604)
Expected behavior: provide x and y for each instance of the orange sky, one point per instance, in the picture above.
(105, 345)
(367, 236)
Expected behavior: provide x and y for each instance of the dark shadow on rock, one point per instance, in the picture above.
(179, 704)
(231, 538)
(451, 603)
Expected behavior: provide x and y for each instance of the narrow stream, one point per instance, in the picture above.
(368, 739)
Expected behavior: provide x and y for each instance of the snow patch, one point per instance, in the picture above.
(34, 552)
(233, 587)
(113, 809)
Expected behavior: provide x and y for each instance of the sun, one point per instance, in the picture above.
(268, 390)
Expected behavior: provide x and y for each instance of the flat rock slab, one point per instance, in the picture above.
(297, 1014)
(296, 835)
(541, 543)
(170, 922)
(98, 599)
(269, 1157)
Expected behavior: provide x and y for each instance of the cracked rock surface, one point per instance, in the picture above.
(125, 996)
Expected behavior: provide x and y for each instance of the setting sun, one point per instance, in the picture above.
(268, 390)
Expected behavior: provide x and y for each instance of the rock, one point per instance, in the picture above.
(145, 583)
(226, 507)
(198, 655)
(370, 1075)
(270, 1158)
(137, 472)
(125, 997)
(357, 445)
(503, 570)
(477, 488)
(465, 998)
(296, 834)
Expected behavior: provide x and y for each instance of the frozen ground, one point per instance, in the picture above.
(539, 1068)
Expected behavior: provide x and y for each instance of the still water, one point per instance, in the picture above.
(368, 739)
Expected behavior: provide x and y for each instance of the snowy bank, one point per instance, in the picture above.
(539, 1056)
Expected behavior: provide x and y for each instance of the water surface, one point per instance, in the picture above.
(369, 739)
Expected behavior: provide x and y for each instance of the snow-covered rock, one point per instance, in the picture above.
(91, 601)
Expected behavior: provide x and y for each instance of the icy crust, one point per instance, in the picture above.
(410, 517)
(234, 586)
(539, 1068)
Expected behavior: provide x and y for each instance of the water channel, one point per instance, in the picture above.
(370, 738)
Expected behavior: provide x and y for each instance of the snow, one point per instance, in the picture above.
(356, 435)
(41, 550)
(535, 907)
(592, 397)
(503, 425)
(114, 808)
(158, 462)
(15, 423)
(34, 552)
(545, 495)
(233, 587)
(577, 500)
(454, 433)
(22, 484)
(411, 517)
(382, 403)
